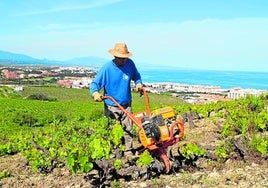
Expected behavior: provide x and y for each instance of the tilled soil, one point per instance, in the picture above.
(235, 172)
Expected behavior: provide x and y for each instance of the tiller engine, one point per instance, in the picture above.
(158, 129)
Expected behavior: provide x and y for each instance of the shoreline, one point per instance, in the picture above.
(201, 85)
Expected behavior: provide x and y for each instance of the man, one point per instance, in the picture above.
(115, 78)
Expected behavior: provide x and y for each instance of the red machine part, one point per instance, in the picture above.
(161, 150)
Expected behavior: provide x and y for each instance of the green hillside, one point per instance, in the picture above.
(70, 130)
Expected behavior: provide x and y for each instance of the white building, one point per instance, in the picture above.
(236, 93)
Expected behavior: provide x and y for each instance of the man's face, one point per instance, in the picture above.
(119, 61)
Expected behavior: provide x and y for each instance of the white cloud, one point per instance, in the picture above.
(70, 7)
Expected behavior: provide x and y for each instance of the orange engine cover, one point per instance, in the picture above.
(147, 141)
(164, 132)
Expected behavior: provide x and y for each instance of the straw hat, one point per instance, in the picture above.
(120, 50)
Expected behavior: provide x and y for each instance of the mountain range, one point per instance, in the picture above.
(9, 58)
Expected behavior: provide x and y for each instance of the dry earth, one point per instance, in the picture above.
(252, 172)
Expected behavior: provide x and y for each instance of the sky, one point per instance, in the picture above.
(192, 34)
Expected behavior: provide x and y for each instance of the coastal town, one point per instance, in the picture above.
(81, 77)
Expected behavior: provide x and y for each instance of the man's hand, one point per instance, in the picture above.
(138, 87)
(97, 96)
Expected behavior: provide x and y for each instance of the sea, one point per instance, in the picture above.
(224, 79)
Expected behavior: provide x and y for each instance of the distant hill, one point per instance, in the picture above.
(9, 58)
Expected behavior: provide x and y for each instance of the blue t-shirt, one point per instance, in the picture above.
(116, 81)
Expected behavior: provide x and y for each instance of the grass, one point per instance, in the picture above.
(61, 94)
(70, 94)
